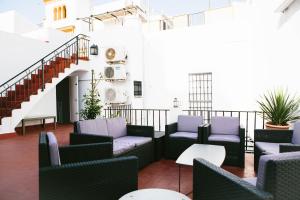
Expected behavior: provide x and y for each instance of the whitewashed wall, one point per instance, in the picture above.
(255, 52)
(13, 22)
(128, 36)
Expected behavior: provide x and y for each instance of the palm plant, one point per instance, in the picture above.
(279, 107)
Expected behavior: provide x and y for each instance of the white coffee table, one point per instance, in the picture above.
(154, 194)
(212, 153)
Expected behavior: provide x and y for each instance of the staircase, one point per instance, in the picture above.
(33, 80)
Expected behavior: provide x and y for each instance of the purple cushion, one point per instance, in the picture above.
(185, 135)
(124, 144)
(225, 125)
(188, 123)
(116, 127)
(53, 149)
(224, 138)
(93, 126)
(268, 147)
(251, 180)
(296, 133)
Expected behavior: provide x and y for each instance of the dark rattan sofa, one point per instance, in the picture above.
(128, 140)
(275, 141)
(85, 171)
(278, 178)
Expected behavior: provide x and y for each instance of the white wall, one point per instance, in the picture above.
(13, 22)
(129, 37)
(221, 49)
(254, 52)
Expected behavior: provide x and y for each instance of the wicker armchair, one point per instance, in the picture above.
(85, 171)
(275, 141)
(226, 131)
(179, 136)
(278, 178)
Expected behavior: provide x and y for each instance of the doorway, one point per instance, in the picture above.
(63, 101)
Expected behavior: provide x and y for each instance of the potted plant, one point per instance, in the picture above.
(92, 103)
(279, 108)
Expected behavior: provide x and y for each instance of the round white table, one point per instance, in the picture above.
(154, 194)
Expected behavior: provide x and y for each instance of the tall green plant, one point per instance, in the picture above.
(92, 103)
(279, 107)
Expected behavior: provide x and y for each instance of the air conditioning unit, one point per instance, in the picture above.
(115, 96)
(115, 72)
(114, 54)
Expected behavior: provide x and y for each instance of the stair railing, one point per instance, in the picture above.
(27, 82)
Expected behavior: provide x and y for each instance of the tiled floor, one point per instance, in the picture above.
(19, 167)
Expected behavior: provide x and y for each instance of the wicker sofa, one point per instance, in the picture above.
(278, 178)
(83, 171)
(275, 141)
(128, 140)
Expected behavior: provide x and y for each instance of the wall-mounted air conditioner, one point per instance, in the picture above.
(115, 72)
(115, 96)
(284, 5)
(115, 54)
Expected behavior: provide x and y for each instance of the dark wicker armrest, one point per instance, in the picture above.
(76, 138)
(200, 133)
(102, 179)
(289, 148)
(170, 128)
(242, 136)
(206, 133)
(213, 183)
(85, 152)
(144, 131)
(276, 136)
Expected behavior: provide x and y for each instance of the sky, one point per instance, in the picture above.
(34, 9)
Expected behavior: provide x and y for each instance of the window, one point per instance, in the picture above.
(64, 15)
(55, 14)
(137, 88)
(59, 13)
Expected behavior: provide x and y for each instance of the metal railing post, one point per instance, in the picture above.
(43, 75)
(77, 50)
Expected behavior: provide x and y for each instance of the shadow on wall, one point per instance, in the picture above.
(290, 12)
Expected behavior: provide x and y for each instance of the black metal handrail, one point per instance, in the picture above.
(76, 37)
(27, 82)
(157, 118)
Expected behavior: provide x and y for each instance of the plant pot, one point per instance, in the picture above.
(270, 126)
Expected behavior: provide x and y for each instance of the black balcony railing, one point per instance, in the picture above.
(157, 118)
(250, 120)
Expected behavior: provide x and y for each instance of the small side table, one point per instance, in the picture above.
(159, 144)
(154, 194)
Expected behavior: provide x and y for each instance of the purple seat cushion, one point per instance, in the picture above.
(116, 127)
(268, 147)
(188, 123)
(251, 180)
(53, 149)
(224, 138)
(225, 125)
(185, 135)
(93, 126)
(124, 144)
(296, 133)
